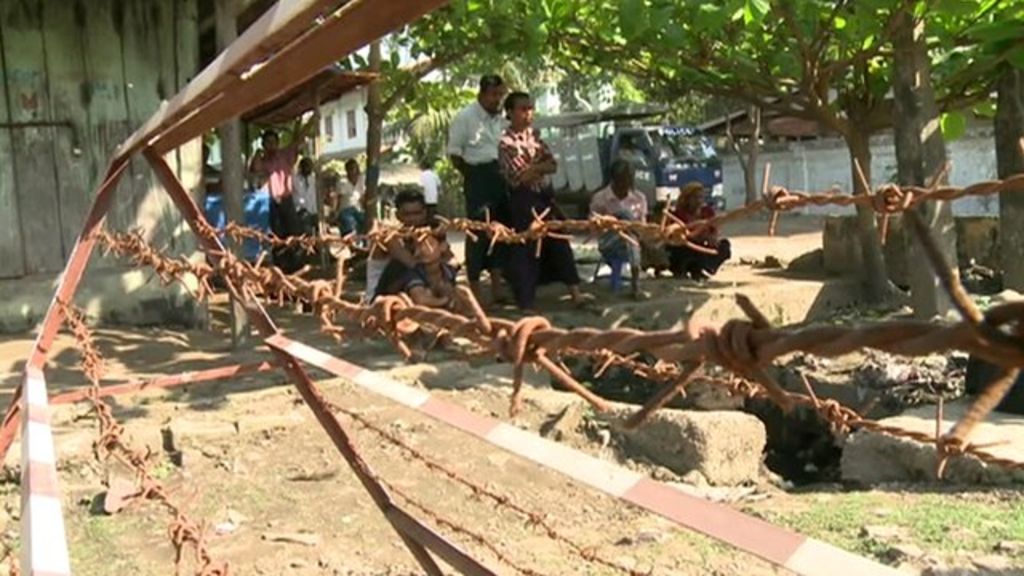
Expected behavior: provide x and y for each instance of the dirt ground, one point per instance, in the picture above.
(261, 473)
(256, 464)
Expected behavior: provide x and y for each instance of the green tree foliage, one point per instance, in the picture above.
(826, 61)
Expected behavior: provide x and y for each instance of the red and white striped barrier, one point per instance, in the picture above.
(44, 545)
(782, 547)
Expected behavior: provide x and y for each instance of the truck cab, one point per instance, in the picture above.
(665, 157)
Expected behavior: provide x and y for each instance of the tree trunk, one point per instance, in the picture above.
(920, 158)
(753, 151)
(1009, 132)
(747, 153)
(876, 277)
(232, 169)
(374, 137)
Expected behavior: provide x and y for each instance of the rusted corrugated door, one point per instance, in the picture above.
(12, 255)
(31, 157)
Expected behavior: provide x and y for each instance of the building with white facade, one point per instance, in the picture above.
(343, 125)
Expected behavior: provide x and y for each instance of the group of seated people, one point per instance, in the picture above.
(425, 269)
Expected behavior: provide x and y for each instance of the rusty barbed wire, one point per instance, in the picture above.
(890, 198)
(670, 230)
(533, 519)
(182, 531)
(454, 526)
(743, 347)
(168, 269)
(11, 558)
(886, 201)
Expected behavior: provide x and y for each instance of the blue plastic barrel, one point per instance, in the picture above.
(256, 205)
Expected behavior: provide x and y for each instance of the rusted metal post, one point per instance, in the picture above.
(166, 382)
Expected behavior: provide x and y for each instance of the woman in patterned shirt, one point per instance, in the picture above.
(526, 163)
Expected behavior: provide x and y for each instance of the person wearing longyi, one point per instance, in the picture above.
(473, 149)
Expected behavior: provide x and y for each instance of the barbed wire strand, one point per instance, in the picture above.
(886, 201)
(182, 531)
(741, 346)
(11, 558)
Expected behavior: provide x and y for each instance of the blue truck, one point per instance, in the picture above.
(666, 157)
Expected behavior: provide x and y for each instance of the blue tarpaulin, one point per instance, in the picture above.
(257, 215)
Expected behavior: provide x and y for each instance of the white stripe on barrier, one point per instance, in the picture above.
(38, 442)
(44, 547)
(388, 388)
(817, 558)
(598, 474)
(45, 538)
(35, 390)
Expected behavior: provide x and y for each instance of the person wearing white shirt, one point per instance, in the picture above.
(431, 184)
(350, 193)
(473, 148)
(304, 184)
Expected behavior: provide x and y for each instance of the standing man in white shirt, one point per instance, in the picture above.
(305, 193)
(473, 148)
(431, 183)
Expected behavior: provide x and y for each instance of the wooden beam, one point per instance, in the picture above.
(347, 30)
(280, 25)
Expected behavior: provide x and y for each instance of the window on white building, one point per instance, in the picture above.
(328, 128)
(353, 130)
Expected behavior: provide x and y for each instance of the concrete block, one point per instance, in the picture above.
(873, 458)
(112, 296)
(841, 248)
(724, 446)
(978, 240)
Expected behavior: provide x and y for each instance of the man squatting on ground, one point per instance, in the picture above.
(423, 267)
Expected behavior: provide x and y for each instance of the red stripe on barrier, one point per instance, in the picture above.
(459, 417)
(315, 357)
(42, 480)
(39, 415)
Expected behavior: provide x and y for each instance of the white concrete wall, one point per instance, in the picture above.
(820, 166)
(337, 112)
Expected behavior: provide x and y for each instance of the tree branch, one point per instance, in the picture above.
(415, 73)
(734, 144)
(821, 38)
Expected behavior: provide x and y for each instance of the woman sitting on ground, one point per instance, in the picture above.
(621, 200)
(684, 261)
(526, 162)
(423, 267)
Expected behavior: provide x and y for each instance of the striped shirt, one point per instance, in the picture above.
(517, 151)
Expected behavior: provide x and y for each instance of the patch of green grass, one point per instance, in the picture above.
(938, 523)
(96, 546)
(164, 470)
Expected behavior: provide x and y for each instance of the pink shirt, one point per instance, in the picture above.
(606, 203)
(279, 169)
